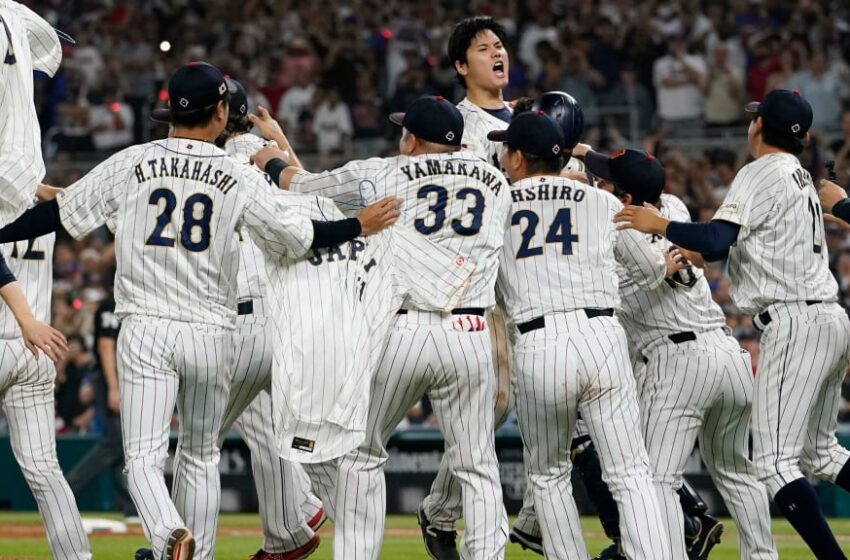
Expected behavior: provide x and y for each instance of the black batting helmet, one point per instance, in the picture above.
(565, 109)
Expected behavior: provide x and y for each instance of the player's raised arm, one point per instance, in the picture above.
(270, 129)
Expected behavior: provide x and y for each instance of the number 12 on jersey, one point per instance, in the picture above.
(559, 231)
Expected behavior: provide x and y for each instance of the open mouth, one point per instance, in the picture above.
(499, 69)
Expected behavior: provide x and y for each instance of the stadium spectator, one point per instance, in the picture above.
(333, 127)
(823, 87)
(679, 78)
(724, 90)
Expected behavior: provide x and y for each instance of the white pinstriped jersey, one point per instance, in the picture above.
(562, 249)
(669, 308)
(333, 308)
(458, 201)
(177, 205)
(32, 264)
(477, 123)
(27, 42)
(781, 253)
(251, 280)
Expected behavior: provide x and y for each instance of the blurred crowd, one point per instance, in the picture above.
(669, 76)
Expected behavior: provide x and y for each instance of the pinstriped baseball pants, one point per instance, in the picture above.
(804, 356)
(702, 390)
(577, 364)
(161, 364)
(424, 353)
(26, 390)
(282, 487)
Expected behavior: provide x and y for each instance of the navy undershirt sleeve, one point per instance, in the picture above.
(841, 210)
(712, 239)
(329, 234)
(35, 222)
(6, 275)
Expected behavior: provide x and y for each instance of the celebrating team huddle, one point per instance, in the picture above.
(481, 267)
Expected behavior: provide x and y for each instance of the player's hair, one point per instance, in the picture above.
(522, 105)
(238, 125)
(194, 119)
(535, 165)
(463, 34)
(783, 142)
(434, 148)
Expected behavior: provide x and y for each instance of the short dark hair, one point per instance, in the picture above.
(536, 165)
(238, 125)
(463, 34)
(194, 119)
(783, 142)
(522, 105)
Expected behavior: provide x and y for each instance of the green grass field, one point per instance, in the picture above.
(402, 540)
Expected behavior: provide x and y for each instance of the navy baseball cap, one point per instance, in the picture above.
(238, 99)
(433, 119)
(193, 87)
(784, 112)
(533, 133)
(634, 171)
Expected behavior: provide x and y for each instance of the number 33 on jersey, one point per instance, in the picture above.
(458, 201)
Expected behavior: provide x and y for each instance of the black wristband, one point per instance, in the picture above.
(274, 168)
(841, 209)
(6, 275)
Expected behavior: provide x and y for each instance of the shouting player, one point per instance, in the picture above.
(177, 205)
(770, 226)
(458, 202)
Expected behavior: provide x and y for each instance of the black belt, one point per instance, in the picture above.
(680, 337)
(245, 307)
(457, 311)
(540, 322)
(765, 318)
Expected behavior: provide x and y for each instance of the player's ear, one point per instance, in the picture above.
(626, 199)
(462, 68)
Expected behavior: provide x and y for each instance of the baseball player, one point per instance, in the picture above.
(697, 383)
(289, 511)
(459, 202)
(570, 353)
(771, 227)
(27, 43)
(27, 382)
(177, 205)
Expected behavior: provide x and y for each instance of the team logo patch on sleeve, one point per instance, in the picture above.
(302, 444)
(730, 208)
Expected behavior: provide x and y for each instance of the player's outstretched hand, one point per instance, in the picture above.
(644, 218)
(580, 150)
(380, 215)
(261, 158)
(830, 194)
(45, 192)
(39, 336)
(268, 127)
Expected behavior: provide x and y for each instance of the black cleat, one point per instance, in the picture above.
(144, 554)
(526, 541)
(613, 552)
(440, 545)
(708, 536)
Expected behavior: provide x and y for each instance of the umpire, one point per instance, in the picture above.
(108, 453)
